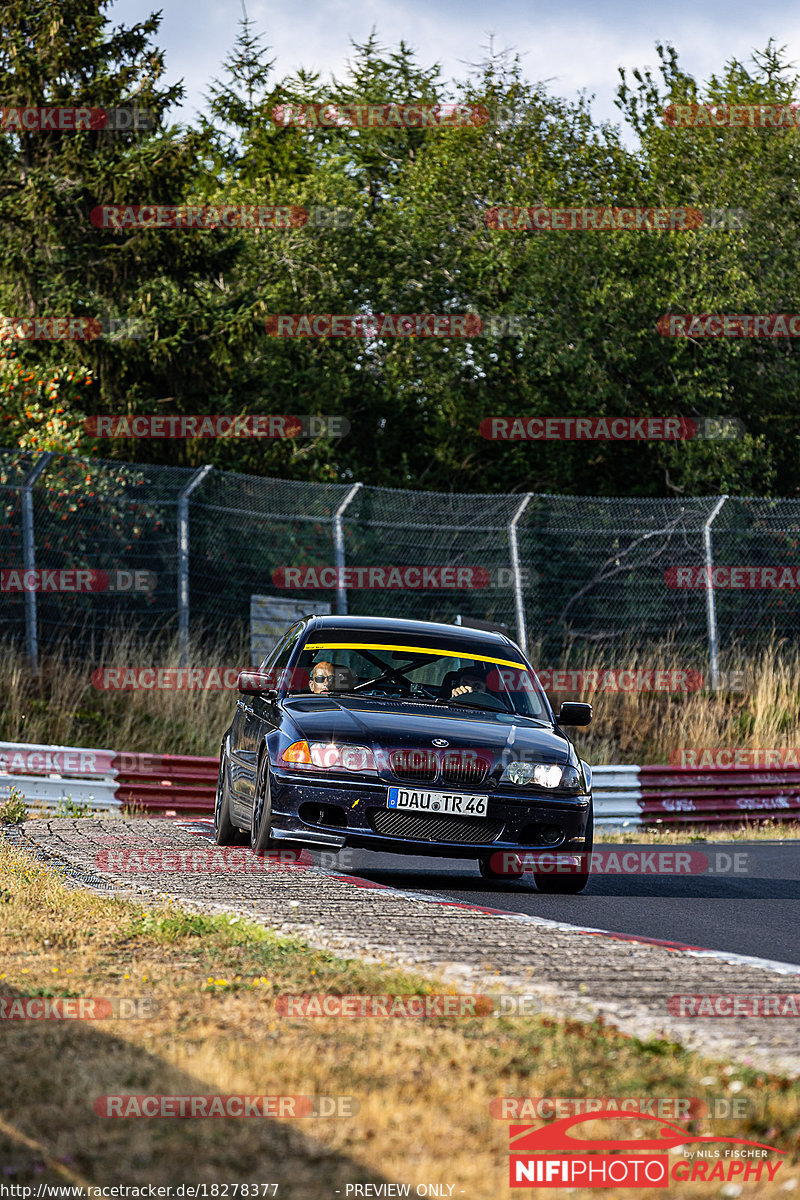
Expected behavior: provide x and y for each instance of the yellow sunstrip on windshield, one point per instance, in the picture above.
(503, 662)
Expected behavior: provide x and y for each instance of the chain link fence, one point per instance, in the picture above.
(176, 550)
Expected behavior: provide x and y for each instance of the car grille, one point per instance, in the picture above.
(420, 827)
(414, 764)
(462, 768)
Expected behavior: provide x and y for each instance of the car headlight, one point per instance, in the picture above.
(518, 772)
(327, 756)
(548, 775)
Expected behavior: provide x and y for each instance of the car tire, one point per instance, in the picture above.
(261, 820)
(225, 832)
(489, 872)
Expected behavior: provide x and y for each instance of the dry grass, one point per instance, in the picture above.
(648, 727)
(423, 1087)
(62, 706)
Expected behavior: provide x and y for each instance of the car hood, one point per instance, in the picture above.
(387, 724)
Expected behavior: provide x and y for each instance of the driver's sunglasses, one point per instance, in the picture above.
(323, 678)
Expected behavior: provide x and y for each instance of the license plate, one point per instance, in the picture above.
(453, 803)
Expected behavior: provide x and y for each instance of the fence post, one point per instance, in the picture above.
(338, 550)
(29, 557)
(513, 542)
(711, 604)
(183, 561)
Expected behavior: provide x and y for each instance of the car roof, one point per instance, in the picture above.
(456, 635)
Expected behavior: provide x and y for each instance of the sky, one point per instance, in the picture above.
(576, 46)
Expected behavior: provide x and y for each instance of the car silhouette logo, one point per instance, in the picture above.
(440, 742)
(553, 1137)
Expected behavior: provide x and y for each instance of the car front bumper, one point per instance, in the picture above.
(335, 812)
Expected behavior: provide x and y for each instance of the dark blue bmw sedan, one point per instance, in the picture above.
(408, 737)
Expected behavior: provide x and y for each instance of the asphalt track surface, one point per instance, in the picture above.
(754, 910)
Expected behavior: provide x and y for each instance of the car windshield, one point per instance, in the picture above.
(418, 673)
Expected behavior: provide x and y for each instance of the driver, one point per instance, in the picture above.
(322, 677)
(326, 678)
(469, 679)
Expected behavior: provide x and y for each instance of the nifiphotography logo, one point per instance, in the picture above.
(550, 1157)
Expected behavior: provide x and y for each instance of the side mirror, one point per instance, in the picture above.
(573, 713)
(256, 683)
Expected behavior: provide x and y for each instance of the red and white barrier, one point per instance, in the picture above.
(627, 796)
(720, 795)
(108, 779)
(172, 784)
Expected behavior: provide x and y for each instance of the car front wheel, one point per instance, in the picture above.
(261, 821)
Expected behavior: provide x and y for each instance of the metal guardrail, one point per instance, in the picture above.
(617, 796)
(168, 784)
(108, 779)
(691, 795)
(48, 775)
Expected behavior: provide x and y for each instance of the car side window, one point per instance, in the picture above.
(278, 657)
(277, 668)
